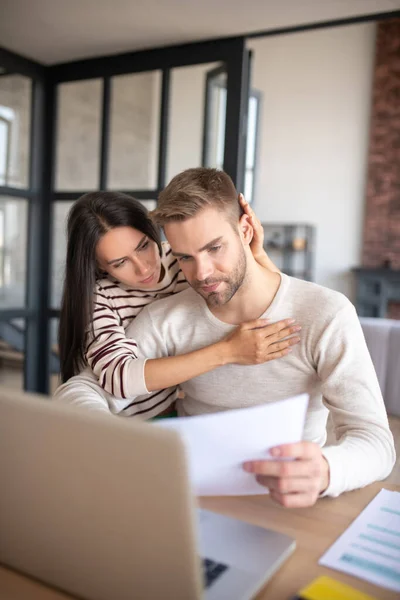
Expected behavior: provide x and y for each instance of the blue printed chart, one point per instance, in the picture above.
(370, 547)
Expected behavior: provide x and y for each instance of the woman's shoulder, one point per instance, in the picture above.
(108, 287)
(173, 276)
(166, 252)
(169, 261)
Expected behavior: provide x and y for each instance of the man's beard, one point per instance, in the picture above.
(233, 283)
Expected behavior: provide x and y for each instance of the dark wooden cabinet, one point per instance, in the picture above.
(376, 288)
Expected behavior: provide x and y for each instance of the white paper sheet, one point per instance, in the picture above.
(218, 444)
(370, 547)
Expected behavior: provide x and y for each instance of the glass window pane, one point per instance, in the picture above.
(149, 204)
(54, 359)
(134, 131)
(12, 343)
(5, 138)
(248, 185)
(251, 132)
(59, 237)
(186, 117)
(216, 119)
(15, 123)
(13, 241)
(78, 135)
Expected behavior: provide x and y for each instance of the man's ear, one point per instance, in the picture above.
(245, 229)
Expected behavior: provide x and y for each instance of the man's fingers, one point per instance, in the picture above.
(288, 485)
(281, 469)
(304, 450)
(300, 500)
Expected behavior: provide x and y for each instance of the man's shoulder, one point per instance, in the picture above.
(318, 298)
(178, 303)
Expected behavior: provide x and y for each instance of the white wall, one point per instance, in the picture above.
(313, 139)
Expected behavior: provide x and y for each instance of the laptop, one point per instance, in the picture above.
(101, 507)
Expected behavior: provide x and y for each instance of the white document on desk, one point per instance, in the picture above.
(370, 547)
(218, 444)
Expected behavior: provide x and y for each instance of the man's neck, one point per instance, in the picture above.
(253, 297)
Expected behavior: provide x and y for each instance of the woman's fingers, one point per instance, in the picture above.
(279, 354)
(243, 203)
(278, 346)
(282, 333)
(275, 332)
(246, 207)
(255, 222)
(266, 325)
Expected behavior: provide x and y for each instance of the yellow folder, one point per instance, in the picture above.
(326, 588)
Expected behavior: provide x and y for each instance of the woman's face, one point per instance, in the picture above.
(130, 256)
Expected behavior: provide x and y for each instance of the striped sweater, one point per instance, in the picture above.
(113, 357)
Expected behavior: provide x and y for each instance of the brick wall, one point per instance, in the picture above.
(382, 218)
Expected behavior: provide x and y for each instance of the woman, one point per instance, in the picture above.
(116, 265)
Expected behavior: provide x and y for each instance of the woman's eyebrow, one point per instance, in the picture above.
(114, 260)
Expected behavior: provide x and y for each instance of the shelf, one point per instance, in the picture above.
(291, 247)
(286, 248)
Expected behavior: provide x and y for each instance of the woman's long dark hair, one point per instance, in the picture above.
(89, 219)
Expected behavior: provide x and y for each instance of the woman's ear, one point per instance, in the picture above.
(245, 229)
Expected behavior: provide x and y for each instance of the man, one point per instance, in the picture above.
(210, 238)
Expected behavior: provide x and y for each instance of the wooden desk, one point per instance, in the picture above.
(315, 529)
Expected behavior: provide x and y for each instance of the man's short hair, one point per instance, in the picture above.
(196, 189)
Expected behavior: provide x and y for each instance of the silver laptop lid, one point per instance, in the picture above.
(95, 505)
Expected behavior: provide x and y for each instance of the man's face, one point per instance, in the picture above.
(210, 254)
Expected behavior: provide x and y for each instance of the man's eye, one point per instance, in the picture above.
(184, 258)
(214, 249)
